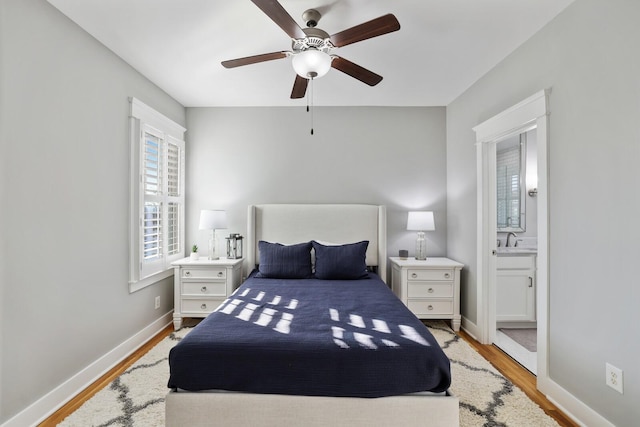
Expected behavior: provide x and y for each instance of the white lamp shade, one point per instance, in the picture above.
(212, 220)
(421, 221)
(311, 63)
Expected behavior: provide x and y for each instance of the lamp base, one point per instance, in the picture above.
(212, 246)
(421, 247)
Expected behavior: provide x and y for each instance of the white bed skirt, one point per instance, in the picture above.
(251, 410)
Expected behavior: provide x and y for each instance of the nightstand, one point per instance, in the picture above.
(200, 286)
(430, 288)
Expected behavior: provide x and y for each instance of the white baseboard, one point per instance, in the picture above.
(571, 406)
(470, 328)
(56, 398)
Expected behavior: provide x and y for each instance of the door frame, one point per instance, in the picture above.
(531, 113)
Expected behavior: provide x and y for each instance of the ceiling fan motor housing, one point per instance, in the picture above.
(316, 39)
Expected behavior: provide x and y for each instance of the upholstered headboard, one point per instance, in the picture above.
(334, 223)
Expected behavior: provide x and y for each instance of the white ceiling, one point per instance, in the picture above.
(442, 48)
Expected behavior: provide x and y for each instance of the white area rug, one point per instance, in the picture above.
(487, 399)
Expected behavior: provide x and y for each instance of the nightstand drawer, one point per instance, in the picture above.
(430, 290)
(432, 274)
(429, 307)
(200, 305)
(204, 273)
(205, 288)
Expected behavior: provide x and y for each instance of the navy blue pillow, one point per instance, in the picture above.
(278, 261)
(344, 262)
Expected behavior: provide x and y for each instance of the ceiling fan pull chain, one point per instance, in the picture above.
(310, 95)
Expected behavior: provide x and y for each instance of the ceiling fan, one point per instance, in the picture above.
(311, 47)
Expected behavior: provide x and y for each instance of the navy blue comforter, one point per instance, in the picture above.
(311, 337)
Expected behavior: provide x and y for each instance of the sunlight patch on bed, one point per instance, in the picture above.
(266, 316)
(343, 337)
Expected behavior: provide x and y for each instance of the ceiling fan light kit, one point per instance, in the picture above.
(311, 63)
(312, 47)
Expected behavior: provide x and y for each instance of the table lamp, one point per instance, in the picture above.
(212, 220)
(421, 222)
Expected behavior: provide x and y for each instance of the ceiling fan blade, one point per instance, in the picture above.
(374, 28)
(232, 63)
(299, 87)
(281, 17)
(356, 71)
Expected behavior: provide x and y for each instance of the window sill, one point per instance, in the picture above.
(148, 281)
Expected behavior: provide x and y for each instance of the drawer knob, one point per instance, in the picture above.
(203, 306)
(429, 307)
(414, 275)
(187, 273)
(220, 273)
(430, 290)
(447, 275)
(203, 289)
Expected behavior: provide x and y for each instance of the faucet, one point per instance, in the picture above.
(511, 233)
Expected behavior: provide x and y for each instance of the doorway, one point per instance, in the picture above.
(517, 241)
(530, 114)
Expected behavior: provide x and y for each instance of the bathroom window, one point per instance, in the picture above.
(510, 173)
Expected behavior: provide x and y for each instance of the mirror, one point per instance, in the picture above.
(510, 183)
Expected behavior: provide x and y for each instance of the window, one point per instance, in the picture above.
(510, 170)
(157, 195)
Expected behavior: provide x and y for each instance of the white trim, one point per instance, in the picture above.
(56, 398)
(486, 242)
(148, 281)
(542, 258)
(148, 115)
(532, 112)
(513, 119)
(470, 328)
(144, 119)
(574, 408)
(134, 197)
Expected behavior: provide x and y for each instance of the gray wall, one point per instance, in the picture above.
(390, 156)
(590, 57)
(65, 186)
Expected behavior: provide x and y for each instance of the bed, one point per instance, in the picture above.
(291, 366)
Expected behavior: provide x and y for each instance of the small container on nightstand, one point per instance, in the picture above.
(200, 286)
(429, 288)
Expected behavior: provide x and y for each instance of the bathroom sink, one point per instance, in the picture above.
(516, 251)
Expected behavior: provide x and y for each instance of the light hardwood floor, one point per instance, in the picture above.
(507, 366)
(104, 381)
(519, 376)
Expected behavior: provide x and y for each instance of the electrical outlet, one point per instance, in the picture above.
(158, 302)
(614, 378)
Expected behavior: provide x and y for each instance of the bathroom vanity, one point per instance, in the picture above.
(516, 285)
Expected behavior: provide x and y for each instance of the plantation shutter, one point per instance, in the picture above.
(162, 188)
(157, 199)
(508, 187)
(175, 199)
(152, 184)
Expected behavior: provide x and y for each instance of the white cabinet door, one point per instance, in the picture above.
(515, 296)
